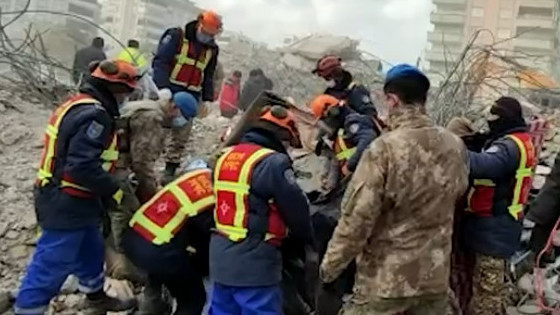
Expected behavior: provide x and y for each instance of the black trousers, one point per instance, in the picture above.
(171, 267)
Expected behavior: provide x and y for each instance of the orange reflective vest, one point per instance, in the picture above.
(481, 197)
(188, 69)
(159, 219)
(343, 149)
(108, 157)
(232, 181)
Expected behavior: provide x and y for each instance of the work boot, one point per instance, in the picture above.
(152, 302)
(169, 174)
(100, 303)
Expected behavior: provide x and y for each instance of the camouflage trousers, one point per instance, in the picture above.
(176, 143)
(436, 304)
(118, 266)
(489, 291)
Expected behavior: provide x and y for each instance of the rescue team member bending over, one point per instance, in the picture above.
(185, 61)
(73, 188)
(169, 238)
(351, 132)
(257, 202)
(501, 174)
(341, 85)
(397, 217)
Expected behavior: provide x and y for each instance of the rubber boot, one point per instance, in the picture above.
(169, 174)
(100, 303)
(152, 303)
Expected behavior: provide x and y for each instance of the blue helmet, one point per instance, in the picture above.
(186, 103)
(406, 70)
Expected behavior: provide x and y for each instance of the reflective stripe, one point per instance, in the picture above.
(182, 60)
(484, 182)
(238, 231)
(344, 153)
(108, 157)
(188, 208)
(39, 310)
(521, 174)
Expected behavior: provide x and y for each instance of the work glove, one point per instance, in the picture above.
(116, 200)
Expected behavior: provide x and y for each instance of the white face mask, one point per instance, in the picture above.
(203, 38)
(331, 83)
(178, 122)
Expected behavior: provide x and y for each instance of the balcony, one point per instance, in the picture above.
(534, 44)
(447, 18)
(536, 22)
(444, 37)
(547, 4)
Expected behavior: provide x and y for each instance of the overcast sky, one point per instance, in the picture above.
(394, 30)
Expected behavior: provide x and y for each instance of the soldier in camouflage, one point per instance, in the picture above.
(397, 212)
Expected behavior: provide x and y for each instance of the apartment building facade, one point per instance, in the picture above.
(145, 20)
(523, 27)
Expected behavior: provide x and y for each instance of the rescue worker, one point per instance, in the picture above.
(397, 214)
(501, 176)
(185, 61)
(73, 188)
(141, 129)
(257, 202)
(229, 95)
(341, 85)
(132, 54)
(85, 56)
(351, 132)
(169, 237)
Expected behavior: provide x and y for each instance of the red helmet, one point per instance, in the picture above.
(327, 65)
(210, 23)
(116, 71)
(284, 119)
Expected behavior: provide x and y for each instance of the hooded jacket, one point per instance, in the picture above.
(83, 58)
(78, 154)
(164, 60)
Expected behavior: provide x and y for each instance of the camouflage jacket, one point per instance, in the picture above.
(142, 124)
(397, 212)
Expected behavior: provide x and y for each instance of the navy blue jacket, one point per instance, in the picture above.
(165, 58)
(500, 234)
(253, 262)
(357, 97)
(360, 131)
(78, 150)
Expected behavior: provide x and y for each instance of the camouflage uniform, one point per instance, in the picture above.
(397, 218)
(177, 139)
(489, 291)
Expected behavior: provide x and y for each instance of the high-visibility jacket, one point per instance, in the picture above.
(232, 182)
(343, 149)
(134, 56)
(188, 68)
(485, 194)
(159, 219)
(46, 173)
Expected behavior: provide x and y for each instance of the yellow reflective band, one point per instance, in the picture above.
(183, 59)
(345, 153)
(484, 182)
(521, 174)
(72, 185)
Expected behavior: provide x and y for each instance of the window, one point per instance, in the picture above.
(504, 33)
(477, 12)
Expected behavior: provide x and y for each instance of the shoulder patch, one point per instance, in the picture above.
(94, 130)
(290, 176)
(354, 128)
(166, 39)
(492, 149)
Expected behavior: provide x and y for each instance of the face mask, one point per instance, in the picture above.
(331, 83)
(203, 38)
(178, 122)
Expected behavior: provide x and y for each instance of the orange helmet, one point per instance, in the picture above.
(282, 117)
(116, 71)
(322, 104)
(210, 23)
(327, 65)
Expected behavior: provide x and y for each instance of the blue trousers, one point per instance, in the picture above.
(227, 300)
(60, 253)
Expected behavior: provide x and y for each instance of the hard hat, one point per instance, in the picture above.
(186, 103)
(283, 118)
(210, 22)
(405, 70)
(116, 71)
(321, 105)
(327, 65)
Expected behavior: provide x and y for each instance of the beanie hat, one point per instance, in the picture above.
(508, 108)
(186, 103)
(408, 71)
